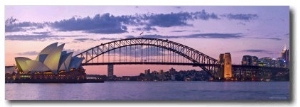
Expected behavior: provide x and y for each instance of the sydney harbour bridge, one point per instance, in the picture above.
(156, 51)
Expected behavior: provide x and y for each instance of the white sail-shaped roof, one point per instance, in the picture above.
(21, 64)
(65, 61)
(34, 66)
(75, 62)
(52, 60)
(47, 50)
(42, 57)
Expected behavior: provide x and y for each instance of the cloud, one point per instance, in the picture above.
(108, 38)
(110, 24)
(106, 24)
(274, 38)
(29, 53)
(146, 28)
(42, 33)
(10, 21)
(83, 39)
(242, 17)
(12, 26)
(257, 51)
(178, 30)
(32, 37)
(130, 36)
(215, 35)
(178, 19)
(278, 39)
(198, 35)
(157, 36)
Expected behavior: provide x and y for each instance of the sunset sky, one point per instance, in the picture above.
(257, 31)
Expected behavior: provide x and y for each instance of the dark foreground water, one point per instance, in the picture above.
(150, 91)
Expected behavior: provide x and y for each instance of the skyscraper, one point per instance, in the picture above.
(285, 55)
(250, 60)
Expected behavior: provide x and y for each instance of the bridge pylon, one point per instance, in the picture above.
(225, 71)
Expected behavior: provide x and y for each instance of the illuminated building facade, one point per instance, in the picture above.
(51, 65)
(250, 60)
(285, 55)
(226, 66)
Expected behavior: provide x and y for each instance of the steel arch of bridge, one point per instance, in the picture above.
(200, 59)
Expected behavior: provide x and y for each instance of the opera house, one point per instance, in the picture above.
(51, 65)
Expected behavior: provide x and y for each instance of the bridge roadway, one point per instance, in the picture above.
(148, 63)
(184, 64)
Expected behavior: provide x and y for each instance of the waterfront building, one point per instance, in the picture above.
(250, 60)
(147, 72)
(254, 60)
(172, 71)
(285, 55)
(51, 64)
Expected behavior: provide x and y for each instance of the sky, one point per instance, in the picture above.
(240, 30)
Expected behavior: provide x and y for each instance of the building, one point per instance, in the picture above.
(172, 71)
(51, 65)
(147, 72)
(250, 60)
(285, 55)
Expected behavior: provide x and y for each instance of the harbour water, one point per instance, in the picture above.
(170, 90)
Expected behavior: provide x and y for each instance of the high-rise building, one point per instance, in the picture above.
(250, 60)
(254, 60)
(246, 60)
(285, 55)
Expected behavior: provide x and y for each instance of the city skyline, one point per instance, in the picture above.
(258, 31)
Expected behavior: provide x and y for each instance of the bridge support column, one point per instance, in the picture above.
(226, 66)
(221, 67)
(110, 71)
